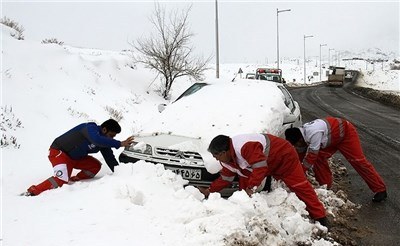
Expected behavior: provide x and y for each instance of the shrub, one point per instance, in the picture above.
(52, 41)
(77, 114)
(8, 125)
(9, 141)
(19, 29)
(114, 114)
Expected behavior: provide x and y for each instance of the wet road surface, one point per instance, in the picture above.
(379, 130)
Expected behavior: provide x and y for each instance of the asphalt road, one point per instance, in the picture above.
(379, 130)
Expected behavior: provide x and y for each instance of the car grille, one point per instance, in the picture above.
(178, 154)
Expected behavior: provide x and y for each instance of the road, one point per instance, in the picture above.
(378, 128)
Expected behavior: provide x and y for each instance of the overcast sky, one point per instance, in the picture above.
(247, 29)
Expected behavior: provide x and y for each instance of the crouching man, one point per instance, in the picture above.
(318, 140)
(71, 151)
(253, 157)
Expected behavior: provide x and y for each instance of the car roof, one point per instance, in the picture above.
(238, 80)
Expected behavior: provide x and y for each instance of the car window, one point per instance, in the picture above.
(192, 89)
(262, 77)
(288, 98)
(270, 78)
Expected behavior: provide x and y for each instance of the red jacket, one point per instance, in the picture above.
(254, 156)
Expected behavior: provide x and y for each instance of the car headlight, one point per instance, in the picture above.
(141, 147)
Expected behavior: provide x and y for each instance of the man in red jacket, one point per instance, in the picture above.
(318, 140)
(253, 157)
(71, 151)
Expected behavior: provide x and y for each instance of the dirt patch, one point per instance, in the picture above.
(344, 227)
(387, 98)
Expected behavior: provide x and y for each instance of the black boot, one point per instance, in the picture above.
(323, 221)
(379, 196)
(267, 186)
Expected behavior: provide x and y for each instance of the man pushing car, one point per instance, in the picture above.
(71, 151)
(253, 157)
(318, 140)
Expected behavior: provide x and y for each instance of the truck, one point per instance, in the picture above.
(270, 74)
(349, 76)
(336, 76)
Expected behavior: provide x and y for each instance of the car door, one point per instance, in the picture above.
(293, 119)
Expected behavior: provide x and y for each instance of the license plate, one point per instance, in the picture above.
(187, 173)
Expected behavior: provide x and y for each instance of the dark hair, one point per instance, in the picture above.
(111, 125)
(218, 144)
(293, 135)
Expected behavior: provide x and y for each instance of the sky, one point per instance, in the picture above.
(46, 89)
(247, 29)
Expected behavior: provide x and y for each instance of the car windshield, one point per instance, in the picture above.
(269, 77)
(192, 89)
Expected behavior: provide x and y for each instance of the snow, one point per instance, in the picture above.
(264, 96)
(47, 89)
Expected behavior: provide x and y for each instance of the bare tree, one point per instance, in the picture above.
(168, 51)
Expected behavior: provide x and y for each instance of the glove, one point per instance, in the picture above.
(267, 186)
(307, 166)
(250, 191)
(75, 178)
(205, 191)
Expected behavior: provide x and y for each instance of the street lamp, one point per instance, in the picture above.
(337, 58)
(277, 33)
(329, 52)
(320, 69)
(216, 40)
(309, 36)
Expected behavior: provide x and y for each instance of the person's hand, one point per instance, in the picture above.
(307, 167)
(249, 191)
(127, 142)
(204, 190)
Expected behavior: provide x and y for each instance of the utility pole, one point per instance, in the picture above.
(337, 58)
(277, 33)
(309, 36)
(329, 62)
(216, 40)
(320, 62)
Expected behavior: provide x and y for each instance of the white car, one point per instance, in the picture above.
(179, 137)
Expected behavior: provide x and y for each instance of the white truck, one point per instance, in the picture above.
(270, 74)
(336, 76)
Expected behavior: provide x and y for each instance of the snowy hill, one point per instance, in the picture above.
(46, 90)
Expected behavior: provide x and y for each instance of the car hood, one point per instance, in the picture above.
(181, 143)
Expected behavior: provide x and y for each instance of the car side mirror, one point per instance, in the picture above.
(161, 107)
(289, 119)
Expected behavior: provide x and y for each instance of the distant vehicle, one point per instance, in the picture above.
(250, 75)
(348, 76)
(270, 74)
(336, 76)
(184, 151)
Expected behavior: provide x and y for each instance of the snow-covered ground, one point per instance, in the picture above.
(47, 89)
(376, 76)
